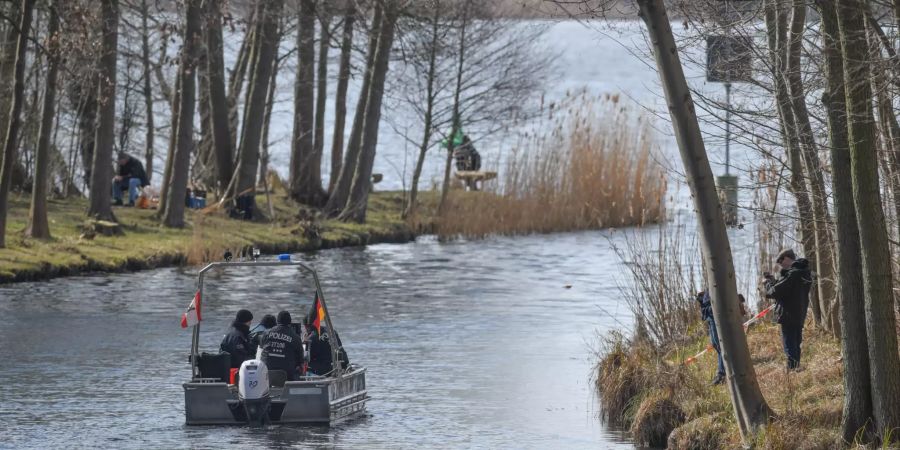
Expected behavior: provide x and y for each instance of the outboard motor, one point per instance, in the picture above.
(253, 391)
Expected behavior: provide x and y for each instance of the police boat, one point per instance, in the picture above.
(256, 395)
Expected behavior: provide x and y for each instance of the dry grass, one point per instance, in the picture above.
(807, 403)
(663, 278)
(590, 166)
(655, 419)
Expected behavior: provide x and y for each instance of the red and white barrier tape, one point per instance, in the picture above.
(747, 324)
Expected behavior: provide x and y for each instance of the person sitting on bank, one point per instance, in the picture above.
(319, 345)
(791, 295)
(267, 323)
(283, 348)
(131, 177)
(466, 156)
(237, 341)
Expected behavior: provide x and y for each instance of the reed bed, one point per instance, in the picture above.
(590, 165)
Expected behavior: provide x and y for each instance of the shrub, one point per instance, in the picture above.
(655, 419)
(590, 165)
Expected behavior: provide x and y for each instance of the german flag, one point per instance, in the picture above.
(318, 314)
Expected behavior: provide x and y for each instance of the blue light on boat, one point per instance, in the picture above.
(284, 257)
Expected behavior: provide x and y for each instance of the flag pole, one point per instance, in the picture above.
(337, 370)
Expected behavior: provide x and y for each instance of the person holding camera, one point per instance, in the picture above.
(791, 295)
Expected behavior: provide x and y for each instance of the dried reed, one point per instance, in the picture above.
(591, 166)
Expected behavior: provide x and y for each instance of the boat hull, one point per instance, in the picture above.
(313, 400)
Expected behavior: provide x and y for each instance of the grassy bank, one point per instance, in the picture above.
(654, 394)
(146, 244)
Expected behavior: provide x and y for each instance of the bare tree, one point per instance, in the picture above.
(340, 98)
(101, 172)
(877, 278)
(306, 173)
(341, 190)
(38, 226)
(26, 10)
(268, 34)
(751, 410)
(219, 106)
(857, 412)
(357, 203)
(183, 122)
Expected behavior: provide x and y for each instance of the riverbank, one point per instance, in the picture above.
(147, 245)
(654, 394)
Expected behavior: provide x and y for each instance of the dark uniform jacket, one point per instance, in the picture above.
(237, 343)
(134, 169)
(320, 359)
(283, 350)
(791, 293)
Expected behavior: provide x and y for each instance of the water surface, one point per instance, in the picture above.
(467, 344)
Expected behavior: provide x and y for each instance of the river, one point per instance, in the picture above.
(467, 344)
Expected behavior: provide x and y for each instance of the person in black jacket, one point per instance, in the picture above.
(319, 345)
(267, 323)
(791, 295)
(283, 347)
(131, 177)
(706, 313)
(237, 341)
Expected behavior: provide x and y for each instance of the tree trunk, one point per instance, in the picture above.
(170, 154)
(362, 180)
(101, 174)
(877, 279)
(38, 226)
(267, 121)
(457, 92)
(305, 173)
(854, 343)
(750, 407)
(147, 91)
(322, 90)
(218, 101)
(341, 192)
(427, 130)
(267, 32)
(776, 30)
(183, 122)
(206, 153)
(236, 81)
(340, 98)
(15, 112)
(827, 299)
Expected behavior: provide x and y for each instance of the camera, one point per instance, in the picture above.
(767, 275)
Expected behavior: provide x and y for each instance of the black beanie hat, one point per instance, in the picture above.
(244, 316)
(268, 321)
(284, 318)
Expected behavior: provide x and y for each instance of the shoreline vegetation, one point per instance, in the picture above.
(589, 164)
(647, 386)
(666, 403)
(75, 250)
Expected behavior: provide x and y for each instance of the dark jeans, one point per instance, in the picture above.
(792, 337)
(714, 340)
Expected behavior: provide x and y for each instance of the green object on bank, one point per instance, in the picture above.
(457, 138)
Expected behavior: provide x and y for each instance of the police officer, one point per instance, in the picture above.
(267, 323)
(237, 341)
(283, 347)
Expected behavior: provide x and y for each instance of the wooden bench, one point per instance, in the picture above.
(471, 178)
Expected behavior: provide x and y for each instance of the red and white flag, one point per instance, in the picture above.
(191, 317)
